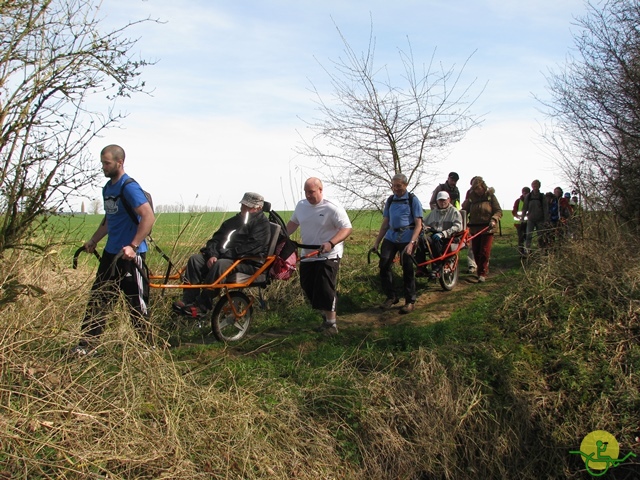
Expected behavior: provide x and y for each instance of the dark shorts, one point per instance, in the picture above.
(318, 281)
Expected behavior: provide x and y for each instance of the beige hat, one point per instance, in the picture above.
(252, 200)
(442, 195)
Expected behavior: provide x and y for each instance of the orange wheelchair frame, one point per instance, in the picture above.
(233, 311)
(448, 274)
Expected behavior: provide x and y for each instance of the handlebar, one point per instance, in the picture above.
(315, 253)
(113, 263)
(77, 254)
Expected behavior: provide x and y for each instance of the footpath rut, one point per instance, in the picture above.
(433, 304)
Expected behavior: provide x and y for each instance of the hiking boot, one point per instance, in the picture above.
(388, 303)
(327, 328)
(407, 308)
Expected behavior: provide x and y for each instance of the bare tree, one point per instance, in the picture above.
(59, 78)
(595, 109)
(374, 128)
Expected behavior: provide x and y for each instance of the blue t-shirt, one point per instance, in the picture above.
(401, 213)
(121, 229)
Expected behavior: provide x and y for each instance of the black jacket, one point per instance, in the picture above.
(240, 236)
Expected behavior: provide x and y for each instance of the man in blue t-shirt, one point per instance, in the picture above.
(401, 226)
(125, 236)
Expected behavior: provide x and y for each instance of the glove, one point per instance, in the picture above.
(437, 236)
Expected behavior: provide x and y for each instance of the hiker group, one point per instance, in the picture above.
(549, 214)
(128, 220)
(323, 224)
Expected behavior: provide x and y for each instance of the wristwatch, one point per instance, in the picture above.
(134, 246)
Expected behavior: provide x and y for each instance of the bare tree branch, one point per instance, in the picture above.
(373, 128)
(60, 75)
(595, 109)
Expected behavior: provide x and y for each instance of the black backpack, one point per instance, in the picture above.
(409, 201)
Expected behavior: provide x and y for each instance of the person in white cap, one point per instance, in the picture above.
(443, 222)
(246, 234)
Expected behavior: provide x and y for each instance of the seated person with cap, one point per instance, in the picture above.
(243, 235)
(443, 223)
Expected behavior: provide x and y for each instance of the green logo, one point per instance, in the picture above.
(600, 451)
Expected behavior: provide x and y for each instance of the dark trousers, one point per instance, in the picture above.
(199, 273)
(388, 251)
(521, 228)
(109, 282)
(319, 281)
(481, 246)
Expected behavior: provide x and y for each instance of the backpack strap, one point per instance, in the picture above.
(390, 200)
(410, 201)
(127, 206)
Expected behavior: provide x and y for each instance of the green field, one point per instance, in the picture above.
(179, 233)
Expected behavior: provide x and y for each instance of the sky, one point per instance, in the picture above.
(231, 89)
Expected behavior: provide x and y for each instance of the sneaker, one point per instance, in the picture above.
(388, 303)
(179, 307)
(472, 270)
(327, 328)
(481, 279)
(195, 311)
(407, 308)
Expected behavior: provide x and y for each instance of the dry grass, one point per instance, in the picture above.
(565, 363)
(576, 312)
(130, 412)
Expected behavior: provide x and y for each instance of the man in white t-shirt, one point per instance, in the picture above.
(325, 223)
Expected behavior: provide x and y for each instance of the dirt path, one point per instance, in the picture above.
(433, 303)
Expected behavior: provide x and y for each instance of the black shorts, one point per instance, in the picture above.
(318, 280)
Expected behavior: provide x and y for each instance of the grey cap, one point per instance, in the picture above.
(252, 200)
(442, 195)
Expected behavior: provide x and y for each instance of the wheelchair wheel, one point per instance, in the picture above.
(226, 326)
(449, 273)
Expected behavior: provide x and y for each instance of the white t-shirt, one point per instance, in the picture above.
(319, 223)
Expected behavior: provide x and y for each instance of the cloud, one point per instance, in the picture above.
(232, 82)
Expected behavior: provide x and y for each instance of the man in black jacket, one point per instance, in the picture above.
(243, 235)
(450, 187)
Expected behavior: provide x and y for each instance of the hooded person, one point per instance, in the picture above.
(484, 214)
(246, 234)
